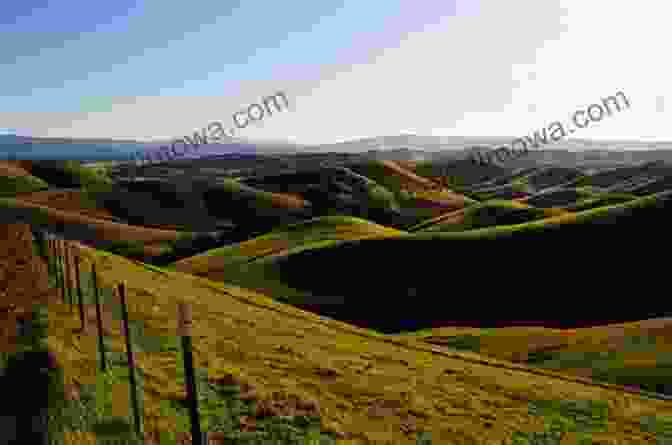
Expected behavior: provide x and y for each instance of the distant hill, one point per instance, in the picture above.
(485, 214)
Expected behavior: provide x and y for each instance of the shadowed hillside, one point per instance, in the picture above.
(539, 253)
(486, 214)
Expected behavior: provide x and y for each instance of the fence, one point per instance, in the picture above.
(65, 266)
(62, 257)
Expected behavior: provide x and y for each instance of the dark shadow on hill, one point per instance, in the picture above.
(605, 271)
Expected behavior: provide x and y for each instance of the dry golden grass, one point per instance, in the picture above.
(287, 200)
(410, 180)
(369, 385)
(213, 263)
(408, 165)
(15, 168)
(517, 343)
(104, 230)
(65, 200)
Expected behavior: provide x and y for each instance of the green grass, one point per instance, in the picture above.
(377, 172)
(279, 274)
(240, 260)
(131, 249)
(485, 214)
(564, 416)
(13, 185)
(599, 200)
(70, 174)
(315, 231)
(660, 426)
(219, 406)
(212, 401)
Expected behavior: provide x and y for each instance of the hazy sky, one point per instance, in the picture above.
(351, 68)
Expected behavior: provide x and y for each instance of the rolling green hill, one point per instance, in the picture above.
(231, 263)
(68, 174)
(367, 275)
(13, 185)
(487, 214)
(599, 200)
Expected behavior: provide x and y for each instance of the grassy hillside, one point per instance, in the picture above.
(559, 197)
(636, 354)
(599, 200)
(464, 172)
(505, 178)
(393, 176)
(653, 185)
(613, 177)
(230, 263)
(541, 251)
(552, 176)
(14, 185)
(69, 174)
(366, 387)
(487, 214)
(76, 225)
(333, 191)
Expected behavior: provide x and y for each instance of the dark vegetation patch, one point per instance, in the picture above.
(152, 203)
(469, 172)
(68, 174)
(601, 200)
(612, 177)
(556, 198)
(506, 274)
(13, 185)
(553, 176)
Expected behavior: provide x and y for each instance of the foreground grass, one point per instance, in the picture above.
(634, 354)
(378, 391)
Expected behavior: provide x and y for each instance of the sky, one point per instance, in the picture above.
(147, 70)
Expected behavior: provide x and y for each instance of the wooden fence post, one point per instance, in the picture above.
(80, 296)
(50, 254)
(184, 325)
(131, 364)
(61, 277)
(101, 343)
(68, 278)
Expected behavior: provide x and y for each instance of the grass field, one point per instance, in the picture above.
(315, 380)
(362, 382)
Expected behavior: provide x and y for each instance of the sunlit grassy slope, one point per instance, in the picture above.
(13, 185)
(229, 190)
(70, 174)
(230, 263)
(392, 176)
(562, 250)
(378, 391)
(467, 172)
(485, 214)
(599, 200)
(637, 353)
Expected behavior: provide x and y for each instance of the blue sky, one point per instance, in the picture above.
(77, 55)
(156, 69)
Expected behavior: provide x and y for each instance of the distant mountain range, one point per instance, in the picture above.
(401, 147)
